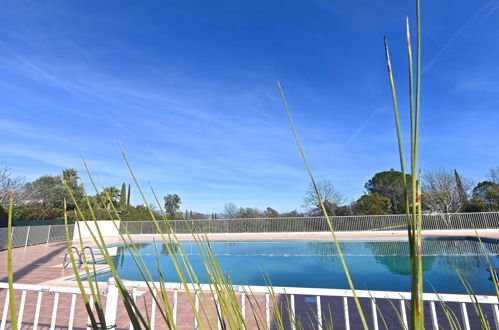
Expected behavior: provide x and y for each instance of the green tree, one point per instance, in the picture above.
(390, 184)
(463, 196)
(196, 216)
(128, 195)
(3, 217)
(486, 195)
(344, 210)
(70, 176)
(172, 205)
(50, 191)
(270, 213)
(123, 196)
(373, 204)
(113, 194)
(292, 214)
(249, 212)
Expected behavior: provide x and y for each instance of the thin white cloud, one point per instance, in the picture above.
(482, 14)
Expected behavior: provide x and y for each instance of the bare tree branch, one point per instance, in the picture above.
(16, 184)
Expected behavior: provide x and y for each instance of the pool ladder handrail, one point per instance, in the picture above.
(80, 254)
(65, 264)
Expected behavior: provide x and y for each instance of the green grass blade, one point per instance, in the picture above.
(319, 197)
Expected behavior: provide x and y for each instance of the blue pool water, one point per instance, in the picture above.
(374, 265)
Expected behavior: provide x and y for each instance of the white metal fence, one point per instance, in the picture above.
(31, 235)
(61, 307)
(454, 221)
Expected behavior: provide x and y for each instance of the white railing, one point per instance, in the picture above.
(398, 222)
(30, 235)
(374, 303)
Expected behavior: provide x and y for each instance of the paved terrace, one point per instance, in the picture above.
(41, 264)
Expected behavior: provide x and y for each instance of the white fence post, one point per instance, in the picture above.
(27, 236)
(111, 303)
(48, 234)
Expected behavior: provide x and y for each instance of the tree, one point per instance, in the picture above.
(123, 196)
(344, 210)
(331, 198)
(128, 195)
(493, 175)
(249, 212)
(110, 196)
(270, 213)
(4, 217)
(172, 205)
(460, 188)
(49, 191)
(441, 193)
(292, 214)
(196, 216)
(390, 184)
(230, 210)
(373, 204)
(70, 176)
(485, 196)
(22, 192)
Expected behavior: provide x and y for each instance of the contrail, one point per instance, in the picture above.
(488, 9)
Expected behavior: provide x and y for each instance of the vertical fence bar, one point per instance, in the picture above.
(403, 312)
(319, 313)
(72, 311)
(134, 297)
(5, 310)
(375, 314)
(37, 310)
(293, 312)
(196, 306)
(54, 311)
(175, 304)
(111, 303)
(21, 309)
(267, 311)
(464, 312)
(219, 314)
(434, 320)
(153, 309)
(345, 312)
(243, 308)
(495, 311)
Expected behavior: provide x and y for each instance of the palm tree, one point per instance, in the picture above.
(113, 194)
(70, 175)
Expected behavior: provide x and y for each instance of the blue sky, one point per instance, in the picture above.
(189, 88)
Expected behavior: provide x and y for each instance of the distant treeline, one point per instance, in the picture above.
(443, 191)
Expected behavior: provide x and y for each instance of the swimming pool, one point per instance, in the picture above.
(373, 264)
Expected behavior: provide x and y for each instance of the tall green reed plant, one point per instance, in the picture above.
(413, 204)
